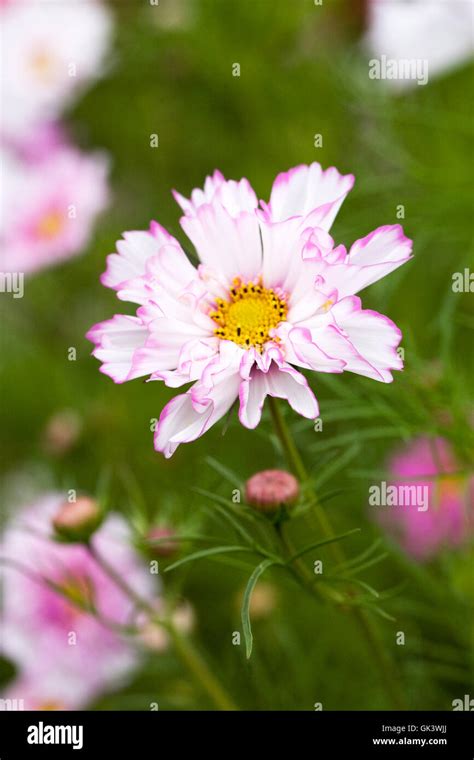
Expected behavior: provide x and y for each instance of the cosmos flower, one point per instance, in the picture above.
(438, 31)
(50, 51)
(449, 519)
(64, 655)
(272, 293)
(49, 204)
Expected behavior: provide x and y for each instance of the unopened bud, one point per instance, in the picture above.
(161, 543)
(270, 489)
(78, 520)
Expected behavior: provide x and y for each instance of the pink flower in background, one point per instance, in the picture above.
(65, 656)
(449, 519)
(49, 204)
(438, 31)
(50, 51)
(47, 138)
(272, 292)
(49, 688)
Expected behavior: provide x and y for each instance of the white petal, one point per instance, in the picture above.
(303, 189)
(133, 253)
(372, 336)
(231, 195)
(280, 382)
(190, 415)
(117, 341)
(226, 244)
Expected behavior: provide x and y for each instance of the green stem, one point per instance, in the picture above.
(297, 465)
(183, 647)
(365, 622)
(193, 660)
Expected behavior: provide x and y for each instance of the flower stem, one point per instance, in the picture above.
(183, 647)
(297, 465)
(193, 660)
(366, 623)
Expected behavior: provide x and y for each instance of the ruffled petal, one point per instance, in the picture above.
(200, 196)
(224, 243)
(304, 189)
(319, 352)
(372, 340)
(117, 341)
(233, 196)
(194, 357)
(190, 415)
(133, 252)
(371, 258)
(281, 381)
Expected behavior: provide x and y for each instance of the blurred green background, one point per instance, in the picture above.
(303, 72)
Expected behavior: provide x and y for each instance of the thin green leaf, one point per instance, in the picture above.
(206, 553)
(245, 611)
(338, 464)
(366, 434)
(317, 544)
(365, 565)
(176, 539)
(227, 474)
(359, 558)
(219, 502)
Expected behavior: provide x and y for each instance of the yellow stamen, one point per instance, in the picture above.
(78, 594)
(327, 304)
(250, 315)
(50, 705)
(50, 225)
(43, 64)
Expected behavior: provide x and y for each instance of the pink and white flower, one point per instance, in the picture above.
(49, 202)
(65, 656)
(272, 293)
(448, 522)
(50, 51)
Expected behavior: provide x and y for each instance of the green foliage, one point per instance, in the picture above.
(303, 72)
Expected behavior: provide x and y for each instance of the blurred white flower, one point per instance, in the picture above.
(50, 50)
(437, 31)
(49, 205)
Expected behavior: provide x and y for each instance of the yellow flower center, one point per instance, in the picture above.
(250, 314)
(43, 65)
(50, 225)
(78, 595)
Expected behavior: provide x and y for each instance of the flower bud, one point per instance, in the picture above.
(61, 432)
(77, 521)
(158, 545)
(270, 489)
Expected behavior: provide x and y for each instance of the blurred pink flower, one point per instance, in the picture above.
(49, 205)
(47, 138)
(438, 31)
(51, 50)
(449, 519)
(65, 655)
(272, 292)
